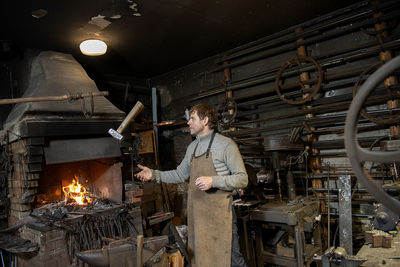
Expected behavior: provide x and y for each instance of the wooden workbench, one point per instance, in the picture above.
(381, 256)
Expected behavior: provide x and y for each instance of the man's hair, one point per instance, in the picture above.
(204, 110)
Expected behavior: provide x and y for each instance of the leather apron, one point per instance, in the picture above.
(209, 217)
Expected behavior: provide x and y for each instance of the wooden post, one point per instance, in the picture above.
(139, 251)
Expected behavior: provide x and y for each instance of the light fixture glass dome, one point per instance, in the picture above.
(93, 47)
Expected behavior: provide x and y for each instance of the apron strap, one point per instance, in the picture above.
(194, 151)
(209, 145)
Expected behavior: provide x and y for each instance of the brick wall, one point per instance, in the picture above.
(24, 179)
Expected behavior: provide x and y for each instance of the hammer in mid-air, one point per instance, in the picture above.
(132, 114)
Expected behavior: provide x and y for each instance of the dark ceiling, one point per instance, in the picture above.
(151, 37)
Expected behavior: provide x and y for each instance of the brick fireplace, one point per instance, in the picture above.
(52, 143)
(52, 140)
(33, 182)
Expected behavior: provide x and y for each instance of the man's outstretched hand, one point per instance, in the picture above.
(145, 173)
(204, 182)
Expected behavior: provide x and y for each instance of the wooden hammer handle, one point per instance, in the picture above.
(132, 115)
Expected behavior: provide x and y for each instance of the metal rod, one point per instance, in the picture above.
(126, 95)
(321, 109)
(329, 207)
(290, 185)
(2, 259)
(366, 127)
(345, 222)
(52, 98)
(306, 160)
(288, 45)
(319, 121)
(326, 63)
(260, 44)
(360, 191)
(337, 173)
(353, 215)
(278, 180)
(339, 143)
(155, 120)
(281, 45)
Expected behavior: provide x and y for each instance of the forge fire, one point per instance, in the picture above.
(76, 193)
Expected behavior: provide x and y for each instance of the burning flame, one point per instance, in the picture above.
(77, 192)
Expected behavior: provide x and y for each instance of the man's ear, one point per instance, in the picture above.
(205, 120)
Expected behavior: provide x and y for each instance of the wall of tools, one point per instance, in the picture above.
(284, 100)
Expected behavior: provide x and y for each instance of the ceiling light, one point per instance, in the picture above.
(39, 13)
(93, 47)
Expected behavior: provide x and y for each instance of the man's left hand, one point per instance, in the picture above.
(204, 182)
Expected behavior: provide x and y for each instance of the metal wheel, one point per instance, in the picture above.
(228, 117)
(385, 120)
(356, 154)
(299, 61)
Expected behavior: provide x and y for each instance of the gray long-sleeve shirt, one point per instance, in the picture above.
(226, 158)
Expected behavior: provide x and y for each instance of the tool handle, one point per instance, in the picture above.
(132, 115)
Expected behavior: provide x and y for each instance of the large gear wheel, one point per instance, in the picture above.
(356, 154)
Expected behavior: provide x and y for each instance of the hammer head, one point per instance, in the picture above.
(115, 134)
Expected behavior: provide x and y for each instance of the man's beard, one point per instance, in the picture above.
(197, 131)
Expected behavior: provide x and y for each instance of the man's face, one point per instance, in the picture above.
(196, 125)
